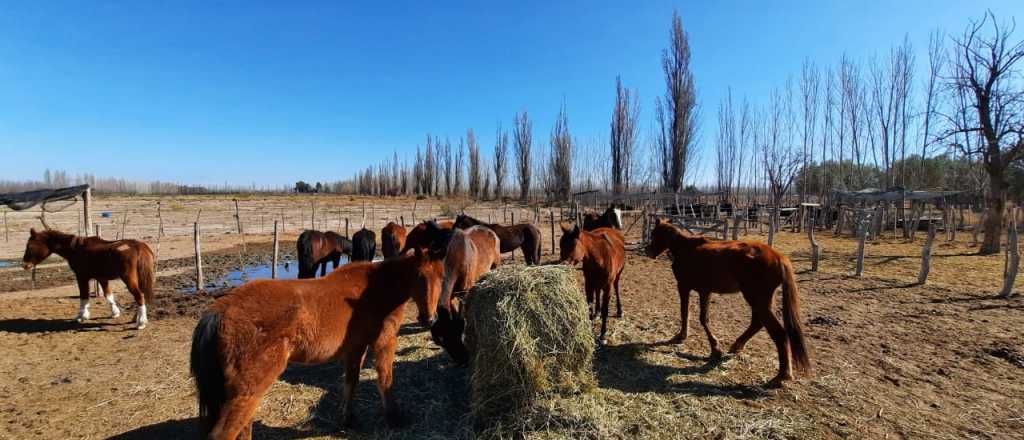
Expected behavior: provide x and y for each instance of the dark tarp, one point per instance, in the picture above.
(28, 199)
(893, 195)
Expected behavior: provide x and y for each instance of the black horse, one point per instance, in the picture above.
(315, 248)
(611, 218)
(523, 236)
(364, 245)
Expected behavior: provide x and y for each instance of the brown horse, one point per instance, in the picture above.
(247, 338)
(523, 236)
(753, 268)
(603, 254)
(93, 258)
(420, 237)
(468, 254)
(611, 218)
(318, 248)
(392, 239)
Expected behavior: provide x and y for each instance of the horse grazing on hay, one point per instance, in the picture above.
(523, 236)
(244, 341)
(392, 239)
(603, 254)
(364, 245)
(468, 254)
(422, 234)
(611, 218)
(755, 269)
(93, 258)
(318, 248)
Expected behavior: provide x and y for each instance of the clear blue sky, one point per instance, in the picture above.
(243, 92)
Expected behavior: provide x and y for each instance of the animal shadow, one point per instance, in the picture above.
(32, 326)
(623, 367)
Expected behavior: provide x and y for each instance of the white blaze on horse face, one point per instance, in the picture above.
(114, 310)
(618, 217)
(83, 310)
(140, 317)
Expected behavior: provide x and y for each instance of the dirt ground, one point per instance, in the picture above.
(892, 359)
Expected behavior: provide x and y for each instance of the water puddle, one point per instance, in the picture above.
(7, 263)
(286, 270)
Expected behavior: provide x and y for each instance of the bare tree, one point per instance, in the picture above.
(561, 156)
(780, 159)
(727, 148)
(460, 156)
(810, 81)
(936, 60)
(446, 153)
(677, 110)
(623, 136)
(474, 164)
(985, 70)
(522, 132)
(429, 168)
(500, 162)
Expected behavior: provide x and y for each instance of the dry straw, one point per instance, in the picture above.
(532, 340)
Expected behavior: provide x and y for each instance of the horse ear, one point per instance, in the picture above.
(658, 221)
(32, 232)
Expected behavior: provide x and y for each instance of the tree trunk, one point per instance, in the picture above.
(996, 203)
(1013, 261)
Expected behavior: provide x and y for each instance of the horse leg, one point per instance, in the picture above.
(763, 311)
(353, 363)
(83, 299)
(323, 268)
(755, 326)
(705, 306)
(684, 315)
(249, 386)
(606, 296)
(132, 282)
(618, 298)
(589, 288)
(384, 351)
(114, 310)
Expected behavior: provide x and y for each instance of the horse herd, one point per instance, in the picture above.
(246, 338)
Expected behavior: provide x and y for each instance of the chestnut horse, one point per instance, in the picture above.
(523, 236)
(93, 258)
(244, 341)
(468, 254)
(603, 254)
(364, 245)
(317, 248)
(611, 218)
(420, 236)
(392, 239)
(755, 269)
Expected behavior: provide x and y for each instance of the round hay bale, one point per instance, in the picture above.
(530, 335)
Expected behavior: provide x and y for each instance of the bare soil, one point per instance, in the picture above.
(893, 359)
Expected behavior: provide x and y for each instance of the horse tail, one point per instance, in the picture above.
(207, 370)
(791, 318)
(144, 267)
(304, 250)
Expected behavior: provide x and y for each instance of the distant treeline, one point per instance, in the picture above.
(114, 185)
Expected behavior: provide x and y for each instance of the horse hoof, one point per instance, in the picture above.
(618, 315)
(80, 319)
(779, 381)
(676, 339)
(115, 315)
(140, 326)
(716, 355)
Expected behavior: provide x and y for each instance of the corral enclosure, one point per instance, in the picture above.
(892, 357)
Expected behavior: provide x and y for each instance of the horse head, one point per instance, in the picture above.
(570, 248)
(447, 333)
(430, 269)
(661, 236)
(37, 248)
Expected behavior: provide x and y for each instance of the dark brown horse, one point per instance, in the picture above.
(392, 239)
(421, 236)
(468, 254)
(603, 254)
(318, 248)
(364, 245)
(247, 338)
(611, 218)
(755, 269)
(523, 236)
(93, 258)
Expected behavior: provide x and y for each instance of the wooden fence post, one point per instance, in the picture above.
(926, 254)
(273, 262)
(771, 227)
(1013, 259)
(199, 259)
(7, 234)
(238, 218)
(513, 250)
(124, 221)
(86, 208)
(551, 215)
(312, 216)
(159, 219)
(862, 235)
(346, 229)
(815, 248)
(95, 284)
